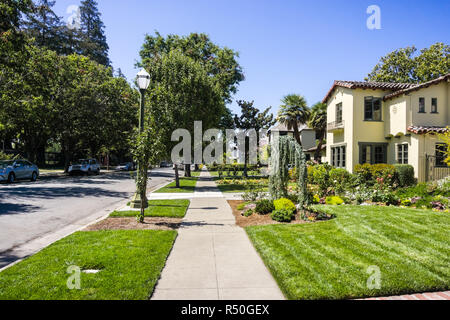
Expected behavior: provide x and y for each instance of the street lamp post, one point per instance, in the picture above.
(143, 81)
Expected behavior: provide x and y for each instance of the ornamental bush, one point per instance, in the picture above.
(339, 179)
(405, 175)
(282, 215)
(284, 204)
(371, 174)
(264, 206)
(334, 201)
(320, 175)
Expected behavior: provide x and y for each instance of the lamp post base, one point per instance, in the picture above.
(136, 202)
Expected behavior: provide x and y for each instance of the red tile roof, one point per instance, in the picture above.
(427, 129)
(417, 87)
(367, 85)
(397, 88)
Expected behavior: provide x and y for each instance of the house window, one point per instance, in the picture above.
(373, 153)
(338, 156)
(372, 109)
(434, 105)
(421, 105)
(441, 149)
(402, 153)
(339, 113)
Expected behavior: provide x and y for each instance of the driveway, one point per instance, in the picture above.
(29, 211)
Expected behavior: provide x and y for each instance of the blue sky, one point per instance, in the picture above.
(285, 46)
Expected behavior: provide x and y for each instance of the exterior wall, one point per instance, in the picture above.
(440, 119)
(366, 131)
(397, 115)
(343, 137)
(308, 138)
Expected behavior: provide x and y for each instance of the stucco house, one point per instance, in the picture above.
(375, 122)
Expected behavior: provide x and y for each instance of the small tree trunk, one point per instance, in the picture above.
(177, 177)
(297, 134)
(317, 156)
(187, 170)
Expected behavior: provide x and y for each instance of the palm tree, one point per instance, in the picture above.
(293, 112)
(318, 122)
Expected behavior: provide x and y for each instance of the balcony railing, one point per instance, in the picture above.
(336, 125)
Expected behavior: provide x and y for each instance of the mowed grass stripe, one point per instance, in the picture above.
(130, 263)
(405, 232)
(329, 260)
(301, 264)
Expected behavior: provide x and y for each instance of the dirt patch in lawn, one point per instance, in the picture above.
(130, 223)
(255, 219)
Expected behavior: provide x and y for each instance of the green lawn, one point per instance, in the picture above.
(330, 260)
(237, 187)
(159, 208)
(187, 185)
(130, 262)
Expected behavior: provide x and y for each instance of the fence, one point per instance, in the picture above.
(434, 169)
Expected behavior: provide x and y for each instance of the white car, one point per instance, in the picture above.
(85, 166)
(127, 166)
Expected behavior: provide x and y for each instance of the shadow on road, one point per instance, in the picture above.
(40, 192)
(14, 208)
(7, 258)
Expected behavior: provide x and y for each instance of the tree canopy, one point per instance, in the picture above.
(407, 65)
(219, 62)
(293, 112)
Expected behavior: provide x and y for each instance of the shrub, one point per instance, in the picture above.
(339, 179)
(248, 213)
(264, 206)
(368, 174)
(405, 175)
(334, 201)
(282, 215)
(241, 206)
(406, 203)
(363, 173)
(316, 199)
(285, 204)
(320, 175)
(385, 196)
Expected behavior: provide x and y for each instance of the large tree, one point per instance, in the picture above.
(181, 92)
(318, 122)
(44, 26)
(252, 118)
(406, 65)
(92, 38)
(219, 62)
(294, 112)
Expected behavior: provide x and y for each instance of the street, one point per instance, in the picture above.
(29, 211)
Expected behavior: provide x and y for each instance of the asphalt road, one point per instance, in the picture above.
(29, 211)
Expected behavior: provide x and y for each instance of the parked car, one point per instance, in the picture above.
(85, 166)
(126, 166)
(165, 164)
(12, 170)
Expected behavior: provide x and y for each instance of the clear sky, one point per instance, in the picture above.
(285, 46)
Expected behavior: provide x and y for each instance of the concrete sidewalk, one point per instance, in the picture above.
(213, 258)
